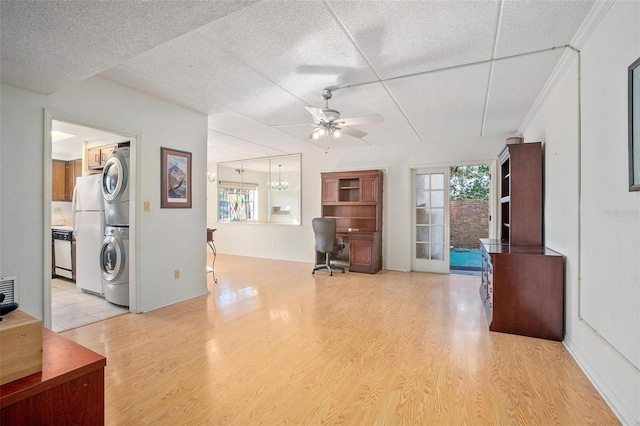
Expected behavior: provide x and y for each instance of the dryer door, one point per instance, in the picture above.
(114, 176)
(112, 258)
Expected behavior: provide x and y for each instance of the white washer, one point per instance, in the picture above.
(115, 187)
(114, 263)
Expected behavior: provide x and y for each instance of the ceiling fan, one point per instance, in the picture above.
(327, 121)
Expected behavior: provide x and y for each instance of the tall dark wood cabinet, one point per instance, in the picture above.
(522, 288)
(521, 194)
(354, 200)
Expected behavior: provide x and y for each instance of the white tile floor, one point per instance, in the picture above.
(71, 307)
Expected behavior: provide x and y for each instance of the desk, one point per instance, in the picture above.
(362, 252)
(69, 389)
(212, 246)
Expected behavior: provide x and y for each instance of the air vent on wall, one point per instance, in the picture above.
(9, 287)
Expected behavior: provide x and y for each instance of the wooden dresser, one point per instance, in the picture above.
(522, 289)
(69, 390)
(354, 200)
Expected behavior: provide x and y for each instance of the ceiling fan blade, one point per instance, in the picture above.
(350, 121)
(317, 114)
(353, 132)
(293, 125)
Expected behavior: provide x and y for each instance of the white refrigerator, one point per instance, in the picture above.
(88, 228)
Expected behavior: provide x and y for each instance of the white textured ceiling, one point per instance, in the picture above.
(433, 69)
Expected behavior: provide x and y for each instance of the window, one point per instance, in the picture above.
(237, 202)
(260, 190)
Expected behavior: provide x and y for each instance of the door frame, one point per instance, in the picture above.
(494, 220)
(429, 265)
(134, 290)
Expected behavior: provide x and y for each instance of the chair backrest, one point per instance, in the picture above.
(325, 233)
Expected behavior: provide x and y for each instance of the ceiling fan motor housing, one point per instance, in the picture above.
(331, 115)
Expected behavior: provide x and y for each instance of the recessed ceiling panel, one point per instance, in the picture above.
(297, 45)
(515, 86)
(47, 45)
(539, 24)
(403, 37)
(444, 104)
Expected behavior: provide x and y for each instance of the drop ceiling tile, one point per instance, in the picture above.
(223, 147)
(444, 104)
(47, 45)
(195, 65)
(403, 37)
(297, 45)
(515, 85)
(529, 25)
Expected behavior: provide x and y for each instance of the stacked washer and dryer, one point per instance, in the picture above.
(114, 253)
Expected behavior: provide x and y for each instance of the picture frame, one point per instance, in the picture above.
(175, 171)
(634, 126)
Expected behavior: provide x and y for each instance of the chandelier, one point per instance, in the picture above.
(279, 184)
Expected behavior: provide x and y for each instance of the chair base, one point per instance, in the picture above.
(328, 266)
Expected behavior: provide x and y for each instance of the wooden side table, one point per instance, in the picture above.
(212, 246)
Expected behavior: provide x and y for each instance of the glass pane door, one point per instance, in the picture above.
(430, 245)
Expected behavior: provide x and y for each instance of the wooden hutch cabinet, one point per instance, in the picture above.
(354, 200)
(522, 288)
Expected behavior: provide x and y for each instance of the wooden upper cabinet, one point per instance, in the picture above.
(97, 156)
(329, 190)
(63, 179)
(369, 189)
(59, 180)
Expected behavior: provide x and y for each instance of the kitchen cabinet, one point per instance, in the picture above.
(97, 156)
(354, 200)
(63, 178)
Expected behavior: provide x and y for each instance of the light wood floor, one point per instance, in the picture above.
(273, 344)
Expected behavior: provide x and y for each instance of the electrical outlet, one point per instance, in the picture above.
(176, 274)
(147, 206)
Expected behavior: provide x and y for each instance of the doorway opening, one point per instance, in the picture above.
(75, 294)
(469, 216)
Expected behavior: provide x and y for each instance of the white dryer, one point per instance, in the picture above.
(115, 187)
(114, 263)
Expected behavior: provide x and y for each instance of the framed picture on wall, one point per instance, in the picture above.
(175, 168)
(634, 126)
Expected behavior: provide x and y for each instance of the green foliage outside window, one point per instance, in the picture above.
(469, 182)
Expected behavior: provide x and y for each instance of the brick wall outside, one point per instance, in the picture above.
(469, 221)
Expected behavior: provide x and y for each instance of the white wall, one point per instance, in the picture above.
(294, 242)
(167, 239)
(602, 248)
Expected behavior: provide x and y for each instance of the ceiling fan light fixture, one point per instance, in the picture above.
(336, 133)
(321, 131)
(315, 135)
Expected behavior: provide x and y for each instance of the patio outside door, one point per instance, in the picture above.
(430, 220)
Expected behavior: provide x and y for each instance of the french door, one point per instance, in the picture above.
(430, 220)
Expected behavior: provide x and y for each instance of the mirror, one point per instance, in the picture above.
(260, 190)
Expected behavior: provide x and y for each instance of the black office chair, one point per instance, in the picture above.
(325, 233)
